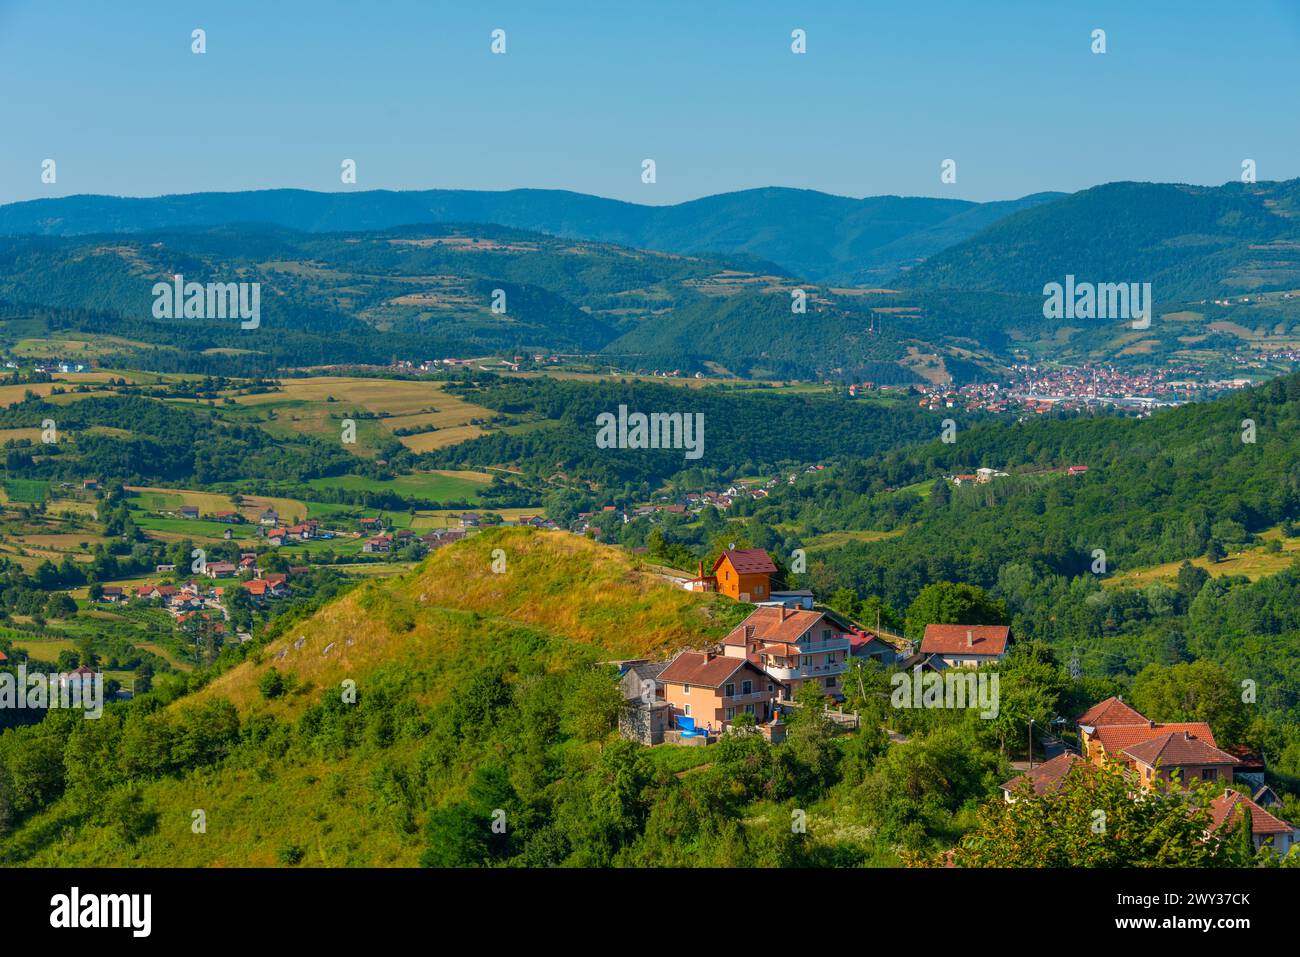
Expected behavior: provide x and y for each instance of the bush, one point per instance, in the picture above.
(272, 684)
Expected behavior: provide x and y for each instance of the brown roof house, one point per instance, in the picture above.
(1266, 829)
(1179, 757)
(712, 689)
(745, 574)
(793, 646)
(1047, 778)
(966, 645)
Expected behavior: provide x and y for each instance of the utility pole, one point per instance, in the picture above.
(1031, 744)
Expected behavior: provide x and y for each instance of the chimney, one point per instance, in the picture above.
(709, 656)
(701, 568)
(970, 639)
(785, 612)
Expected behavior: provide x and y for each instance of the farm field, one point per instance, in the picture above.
(450, 518)
(25, 490)
(458, 486)
(156, 499)
(317, 406)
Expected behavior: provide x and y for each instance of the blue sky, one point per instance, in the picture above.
(586, 90)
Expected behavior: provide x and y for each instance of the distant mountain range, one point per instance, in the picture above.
(812, 235)
(705, 285)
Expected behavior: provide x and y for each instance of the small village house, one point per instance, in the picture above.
(712, 689)
(962, 646)
(744, 574)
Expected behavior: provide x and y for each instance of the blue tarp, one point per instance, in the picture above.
(687, 726)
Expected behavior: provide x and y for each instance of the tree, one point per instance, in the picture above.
(60, 605)
(271, 684)
(953, 604)
(1093, 821)
(1193, 691)
(1214, 551)
(593, 706)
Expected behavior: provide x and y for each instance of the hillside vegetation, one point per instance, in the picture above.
(296, 776)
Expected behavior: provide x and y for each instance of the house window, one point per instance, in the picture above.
(686, 689)
(746, 687)
(731, 691)
(758, 589)
(749, 709)
(826, 634)
(830, 682)
(687, 709)
(807, 661)
(731, 713)
(1210, 774)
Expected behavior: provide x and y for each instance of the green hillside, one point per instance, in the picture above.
(456, 666)
(1189, 242)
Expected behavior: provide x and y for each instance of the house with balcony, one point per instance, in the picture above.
(713, 689)
(793, 646)
(966, 646)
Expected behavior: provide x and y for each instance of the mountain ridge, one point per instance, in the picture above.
(815, 235)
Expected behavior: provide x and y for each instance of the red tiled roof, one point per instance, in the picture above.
(1117, 738)
(1178, 749)
(951, 639)
(770, 626)
(1228, 805)
(1048, 776)
(695, 668)
(747, 561)
(1111, 711)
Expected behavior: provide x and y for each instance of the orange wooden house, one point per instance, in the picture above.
(745, 574)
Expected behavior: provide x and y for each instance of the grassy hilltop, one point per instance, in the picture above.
(455, 666)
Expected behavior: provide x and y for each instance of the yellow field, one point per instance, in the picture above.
(449, 518)
(289, 509)
(206, 502)
(70, 506)
(80, 349)
(1254, 563)
(65, 540)
(406, 403)
(428, 441)
(832, 539)
(32, 434)
(13, 394)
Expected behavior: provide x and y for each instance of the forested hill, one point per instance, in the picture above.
(812, 234)
(1189, 242)
(1157, 490)
(745, 430)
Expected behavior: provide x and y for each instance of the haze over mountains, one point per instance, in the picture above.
(701, 286)
(809, 234)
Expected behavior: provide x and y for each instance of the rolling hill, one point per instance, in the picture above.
(456, 666)
(811, 234)
(1189, 242)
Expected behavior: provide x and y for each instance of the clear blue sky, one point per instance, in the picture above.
(710, 90)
